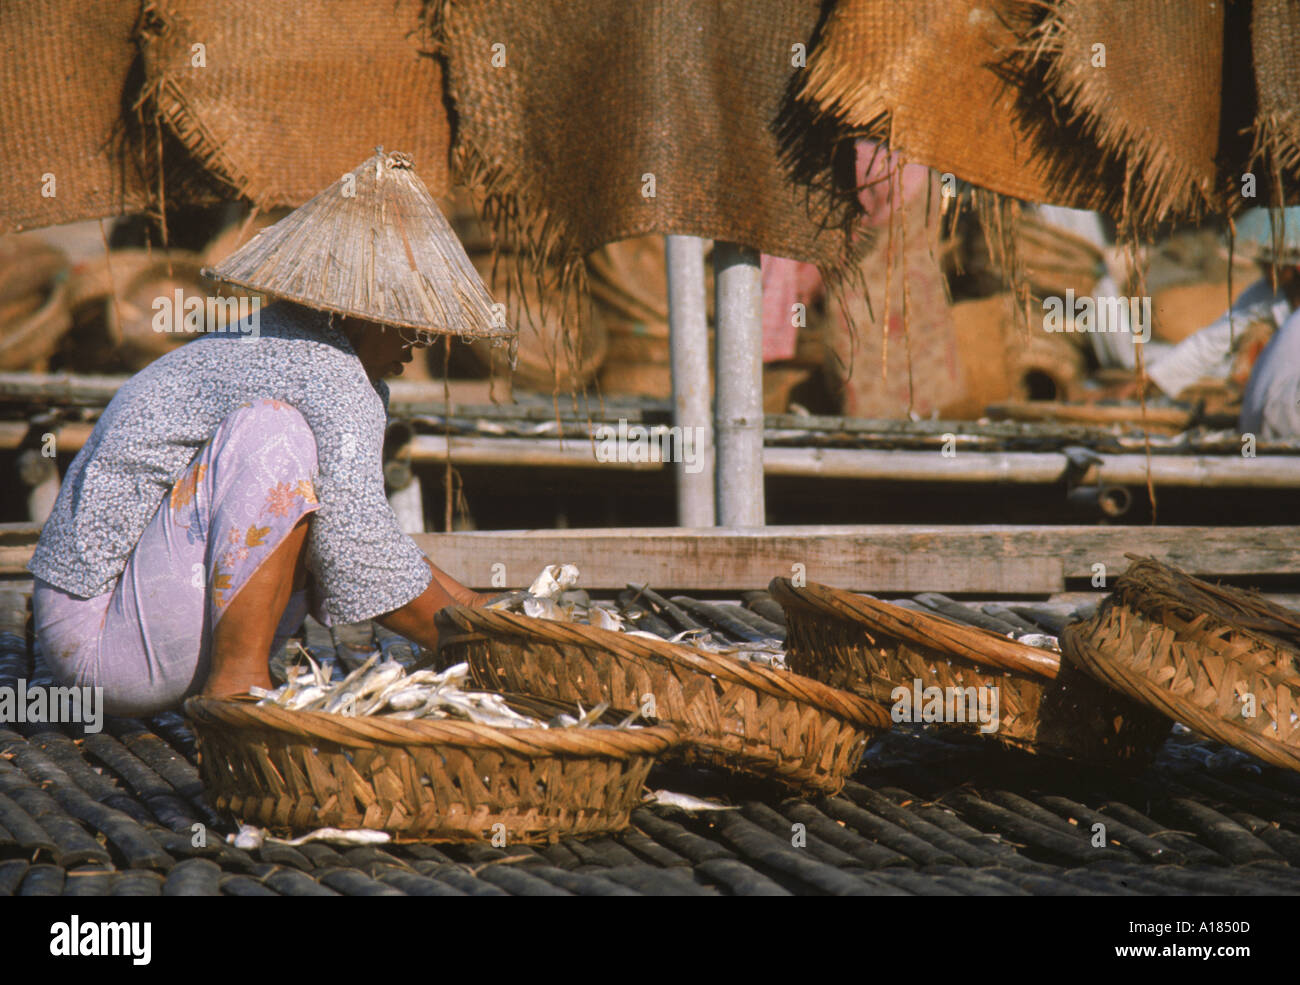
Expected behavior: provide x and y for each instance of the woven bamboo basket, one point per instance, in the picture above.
(29, 342)
(1199, 653)
(733, 715)
(419, 780)
(1056, 260)
(871, 647)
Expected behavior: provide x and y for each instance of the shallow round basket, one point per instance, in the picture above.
(872, 648)
(1204, 655)
(732, 714)
(294, 771)
(31, 341)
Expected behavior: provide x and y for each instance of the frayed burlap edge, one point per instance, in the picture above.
(1155, 186)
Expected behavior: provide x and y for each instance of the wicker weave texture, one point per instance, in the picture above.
(290, 96)
(62, 80)
(426, 781)
(563, 110)
(734, 716)
(1067, 715)
(1153, 104)
(1275, 25)
(1198, 671)
(875, 68)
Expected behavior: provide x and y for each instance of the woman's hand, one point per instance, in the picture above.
(415, 619)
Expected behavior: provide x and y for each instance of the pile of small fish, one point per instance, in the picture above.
(388, 689)
(553, 595)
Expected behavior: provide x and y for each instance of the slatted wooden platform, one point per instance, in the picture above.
(927, 814)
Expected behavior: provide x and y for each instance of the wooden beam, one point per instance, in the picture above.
(989, 559)
(998, 560)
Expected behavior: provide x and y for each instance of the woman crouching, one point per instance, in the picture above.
(237, 481)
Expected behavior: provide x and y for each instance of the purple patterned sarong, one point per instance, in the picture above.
(147, 642)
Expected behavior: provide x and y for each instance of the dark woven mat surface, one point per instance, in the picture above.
(928, 813)
(115, 814)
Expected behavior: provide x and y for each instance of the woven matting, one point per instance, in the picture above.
(870, 647)
(291, 96)
(563, 110)
(875, 70)
(1151, 108)
(1160, 591)
(1197, 672)
(30, 342)
(62, 83)
(1274, 28)
(734, 715)
(419, 780)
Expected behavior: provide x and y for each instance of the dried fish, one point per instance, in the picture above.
(1040, 640)
(387, 689)
(543, 608)
(250, 837)
(685, 802)
(551, 596)
(554, 579)
(604, 618)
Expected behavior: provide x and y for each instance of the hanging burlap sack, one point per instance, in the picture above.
(280, 99)
(923, 75)
(1135, 88)
(63, 77)
(1274, 30)
(593, 122)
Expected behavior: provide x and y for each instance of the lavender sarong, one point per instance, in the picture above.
(147, 642)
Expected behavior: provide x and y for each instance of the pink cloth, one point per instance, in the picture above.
(147, 642)
(790, 282)
(785, 284)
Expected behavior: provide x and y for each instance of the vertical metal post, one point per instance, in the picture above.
(688, 343)
(738, 302)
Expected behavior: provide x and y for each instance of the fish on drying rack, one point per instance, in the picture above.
(553, 595)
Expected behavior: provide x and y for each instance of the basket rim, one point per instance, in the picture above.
(1234, 609)
(468, 623)
(970, 643)
(1077, 644)
(376, 730)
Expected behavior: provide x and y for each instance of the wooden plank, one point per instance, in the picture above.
(995, 560)
(998, 560)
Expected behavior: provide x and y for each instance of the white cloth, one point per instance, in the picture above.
(1116, 348)
(1208, 354)
(1270, 407)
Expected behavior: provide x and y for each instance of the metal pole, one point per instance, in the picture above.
(688, 343)
(738, 302)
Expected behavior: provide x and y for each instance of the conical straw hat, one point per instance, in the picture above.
(373, 245)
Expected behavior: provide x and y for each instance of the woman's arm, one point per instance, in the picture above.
(415, 619)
